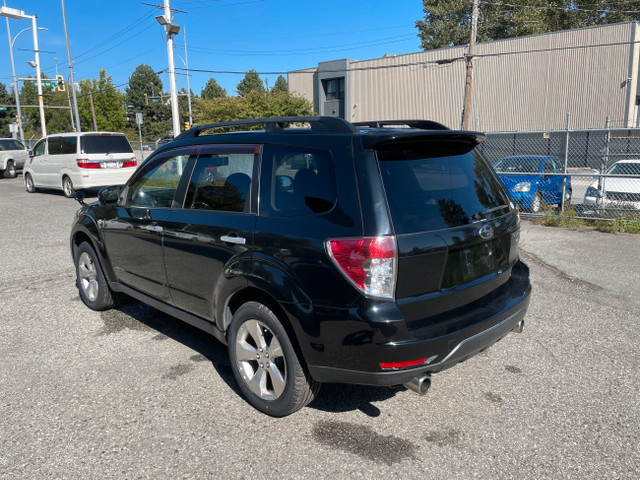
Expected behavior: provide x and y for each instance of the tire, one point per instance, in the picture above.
(10, 172)
(265, 364)
(567, 197)
(92, 285)
(536, 203)
(67, 187)
(29, 186)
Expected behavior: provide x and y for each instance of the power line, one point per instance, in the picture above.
(564, 9)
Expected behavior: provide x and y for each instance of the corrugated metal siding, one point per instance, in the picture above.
(301, 83)
(525, 91)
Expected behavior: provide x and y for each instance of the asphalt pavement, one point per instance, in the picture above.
(133, 393)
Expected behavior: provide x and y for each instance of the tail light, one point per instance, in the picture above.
(369, 263)
(130, 163)
(86, 163)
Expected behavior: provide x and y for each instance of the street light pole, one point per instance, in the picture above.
(171, 29)
(16, 90)
(43, 122)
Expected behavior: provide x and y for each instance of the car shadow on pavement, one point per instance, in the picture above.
(134, 315)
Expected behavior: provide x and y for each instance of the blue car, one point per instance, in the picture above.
(530, 181)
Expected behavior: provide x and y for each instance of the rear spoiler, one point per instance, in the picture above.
(416, 139)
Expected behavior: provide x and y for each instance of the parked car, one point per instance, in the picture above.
(531, 182)
(623, 192)
(336, 253)
(75, 161)
(13, 156)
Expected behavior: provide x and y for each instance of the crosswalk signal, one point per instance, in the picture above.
(60, 83)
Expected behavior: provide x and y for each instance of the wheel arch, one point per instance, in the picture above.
(87, 231)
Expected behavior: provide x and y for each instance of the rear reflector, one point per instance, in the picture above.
(408, 363)
(369, 263)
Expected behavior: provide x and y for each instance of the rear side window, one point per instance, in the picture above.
(68, 145)
(431, 193)
(297, 181)
(222, 180)
(11, 145)
(54, 145)
(105, 144)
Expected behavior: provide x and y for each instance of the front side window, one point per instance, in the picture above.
(39, 148)
(297, 181)
(222, 180)
(517, 165)
(549, 166)
(157, 186)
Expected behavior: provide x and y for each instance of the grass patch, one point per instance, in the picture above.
(629, 223)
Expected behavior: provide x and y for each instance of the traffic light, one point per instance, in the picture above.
(60, 83)
(17, 121)
(146, 99)
(186, 126)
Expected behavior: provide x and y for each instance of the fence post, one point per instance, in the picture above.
(604, 161)
(566, 162)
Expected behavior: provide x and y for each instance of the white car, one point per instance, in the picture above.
(75, 161)
(619, 191)
(13, 156)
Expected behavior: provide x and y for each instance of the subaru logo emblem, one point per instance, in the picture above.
(486, 231)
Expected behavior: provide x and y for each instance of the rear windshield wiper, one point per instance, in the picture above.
(483, 214)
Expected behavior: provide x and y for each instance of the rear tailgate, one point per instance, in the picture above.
(457, 232)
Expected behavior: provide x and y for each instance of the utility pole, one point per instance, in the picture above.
(466, 109)
(171, 29)
(93, 112)
(43, 122)
(73, 85)
(186, 65)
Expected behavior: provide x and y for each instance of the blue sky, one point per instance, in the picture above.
(222, 35)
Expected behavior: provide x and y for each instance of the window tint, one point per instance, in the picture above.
(440, 192)
(157, 187)
(97, 143)
(625, 169)
(68, 145)
(39, 148)
(549, 166)
(297, 181)
(222, 181)
(54, 145)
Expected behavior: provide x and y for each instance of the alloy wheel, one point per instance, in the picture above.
(260, 360)
(88, 277)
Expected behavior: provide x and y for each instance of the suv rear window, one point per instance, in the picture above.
(431, 193)
(105, 144)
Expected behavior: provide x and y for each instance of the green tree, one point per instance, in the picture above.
(143, 80)
(212, 90)
(6, 116)
(252, 105)
(250, 83)
(57, 120)
(107, 102)
(281, 85)
(448, 22)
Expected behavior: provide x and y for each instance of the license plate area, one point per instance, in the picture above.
(111, 164)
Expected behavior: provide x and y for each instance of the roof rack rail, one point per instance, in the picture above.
(421, 124)
(319, 124)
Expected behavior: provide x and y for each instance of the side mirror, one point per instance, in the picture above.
(30, 153)
(79, 196)
(109, 195)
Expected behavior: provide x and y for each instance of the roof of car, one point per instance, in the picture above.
(72, 134)
(629, 160)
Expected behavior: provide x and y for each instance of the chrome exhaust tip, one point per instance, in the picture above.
(419, 385)
(519, 327)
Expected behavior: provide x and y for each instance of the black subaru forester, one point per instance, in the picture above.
(318, 250)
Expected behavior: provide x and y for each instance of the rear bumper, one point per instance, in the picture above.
(92, 178)
(448, 349)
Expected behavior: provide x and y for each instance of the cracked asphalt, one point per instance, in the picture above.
(133, 393)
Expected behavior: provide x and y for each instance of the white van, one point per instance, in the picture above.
(13, 155)
(75, 161)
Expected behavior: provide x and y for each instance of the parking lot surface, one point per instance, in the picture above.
(133, 393)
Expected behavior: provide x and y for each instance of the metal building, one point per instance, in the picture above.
(525, 83)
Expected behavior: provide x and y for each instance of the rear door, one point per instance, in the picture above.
(208, 243)
(456, 229)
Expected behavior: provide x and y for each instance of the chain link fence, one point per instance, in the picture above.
(588, 173)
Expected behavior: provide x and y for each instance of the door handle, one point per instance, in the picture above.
(234, 240)
(153, 228)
